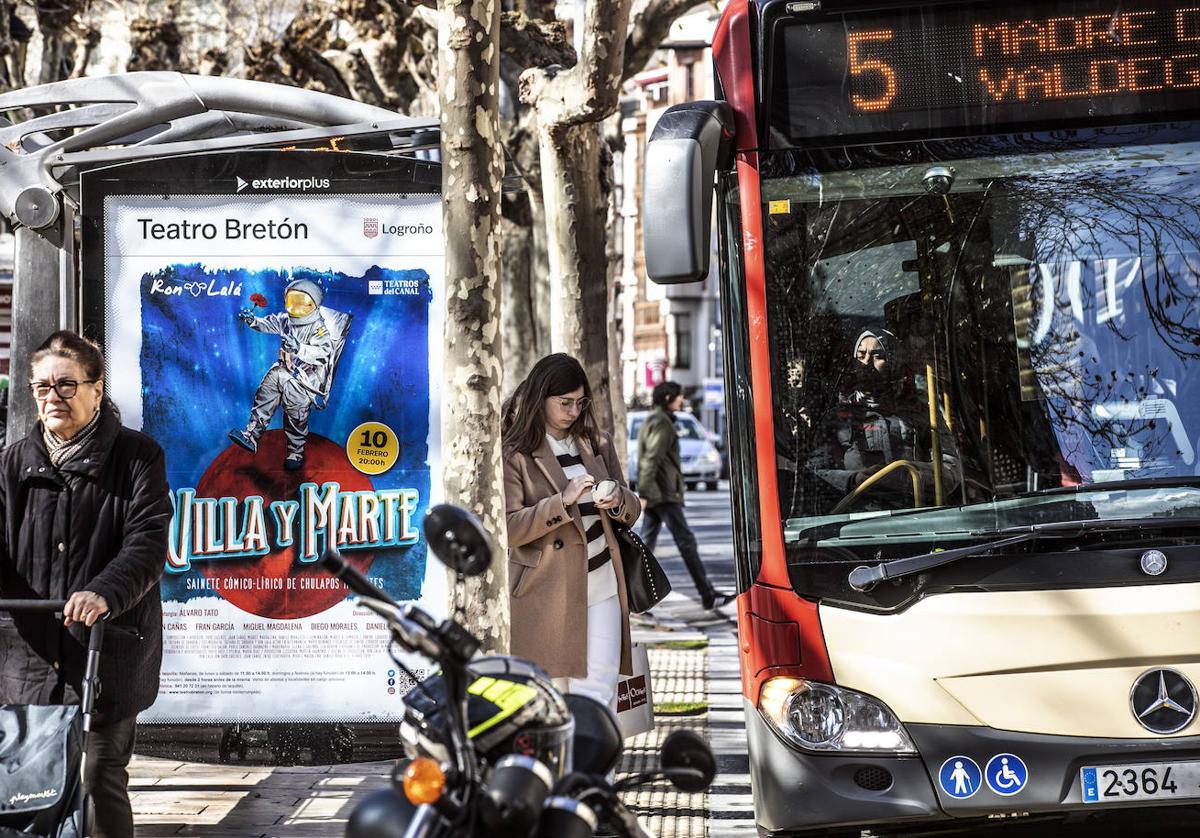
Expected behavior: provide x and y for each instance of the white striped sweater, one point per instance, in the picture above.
(602, 579)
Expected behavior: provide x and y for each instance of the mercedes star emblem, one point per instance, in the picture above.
(1163, 701)
(1154, 562)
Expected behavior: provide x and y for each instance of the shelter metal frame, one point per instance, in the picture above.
(56, 131)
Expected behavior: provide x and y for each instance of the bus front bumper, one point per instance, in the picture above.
(796, 792)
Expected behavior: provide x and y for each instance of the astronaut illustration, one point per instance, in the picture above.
(311, 339)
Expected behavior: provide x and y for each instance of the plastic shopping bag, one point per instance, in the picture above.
(635, 702)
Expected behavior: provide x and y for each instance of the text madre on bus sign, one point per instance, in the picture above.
(937, 68)
(274, 321)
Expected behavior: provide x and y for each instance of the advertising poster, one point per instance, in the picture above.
(280, 338)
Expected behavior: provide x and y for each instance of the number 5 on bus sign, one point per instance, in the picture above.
(860, 66)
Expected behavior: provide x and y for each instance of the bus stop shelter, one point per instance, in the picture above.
(53, 133)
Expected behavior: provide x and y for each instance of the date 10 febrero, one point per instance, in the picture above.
(1031, 60)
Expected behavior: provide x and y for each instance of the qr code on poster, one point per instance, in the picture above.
(404, 683)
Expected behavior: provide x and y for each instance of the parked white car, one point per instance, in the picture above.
(698, 455)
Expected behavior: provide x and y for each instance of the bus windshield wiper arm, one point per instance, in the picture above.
(863, 578)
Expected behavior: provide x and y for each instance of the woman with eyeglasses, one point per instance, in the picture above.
(84, 506)
(563, 485)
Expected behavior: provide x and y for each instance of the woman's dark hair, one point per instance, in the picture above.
(665, 393)
(67, 344)
(522, 424)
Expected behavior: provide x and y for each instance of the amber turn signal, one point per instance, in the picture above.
(424, 781)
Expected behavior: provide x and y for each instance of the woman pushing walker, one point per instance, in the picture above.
(84, 510)
(563, 484)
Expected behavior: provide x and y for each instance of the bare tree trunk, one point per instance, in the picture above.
(86, 42)
(155, 45)
(472, 168)
(540, 266)
(613, 315)
(58, 44)
(576, 191)
(576, 180)
(518, 323)
(9, 50)
(17, 43)
(524, 151)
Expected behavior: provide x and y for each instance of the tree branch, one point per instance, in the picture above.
(649, 29)
(535, 43)
(599, 68)
(589, 91)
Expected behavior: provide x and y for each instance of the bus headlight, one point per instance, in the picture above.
(822, 717)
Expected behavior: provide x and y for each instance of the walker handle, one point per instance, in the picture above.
(55, 606)
(32, 604)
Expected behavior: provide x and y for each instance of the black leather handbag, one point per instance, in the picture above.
(646, 583)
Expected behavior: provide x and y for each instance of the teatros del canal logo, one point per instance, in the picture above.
(1163, 701)
(370, 227)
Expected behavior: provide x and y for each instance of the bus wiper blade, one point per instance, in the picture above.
(1124, 485)
(864, 578)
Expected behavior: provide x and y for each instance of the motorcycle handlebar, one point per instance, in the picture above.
(352, 578)
(602, 797)
(412, 626)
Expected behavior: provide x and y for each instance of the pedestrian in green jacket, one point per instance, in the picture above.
(660, 483)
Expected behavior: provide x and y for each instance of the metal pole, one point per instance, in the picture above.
(37, 309)
(68, 288)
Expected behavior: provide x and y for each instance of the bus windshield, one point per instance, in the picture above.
(986, 342)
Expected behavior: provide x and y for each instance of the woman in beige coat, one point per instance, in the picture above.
(563, 486)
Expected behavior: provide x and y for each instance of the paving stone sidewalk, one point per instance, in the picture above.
(695, 682)
(172, 798)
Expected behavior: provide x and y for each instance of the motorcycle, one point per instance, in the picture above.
(491, 746)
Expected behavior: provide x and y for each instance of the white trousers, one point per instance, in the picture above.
(603, 654)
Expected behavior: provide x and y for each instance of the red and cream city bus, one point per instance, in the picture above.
(959, 249)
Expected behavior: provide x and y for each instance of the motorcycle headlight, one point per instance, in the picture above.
(825, 718)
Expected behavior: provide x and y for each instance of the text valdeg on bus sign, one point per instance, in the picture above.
(936, 67)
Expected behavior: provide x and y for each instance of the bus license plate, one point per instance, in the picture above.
(1143, 781)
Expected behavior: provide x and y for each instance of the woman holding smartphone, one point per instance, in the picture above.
(563, 485)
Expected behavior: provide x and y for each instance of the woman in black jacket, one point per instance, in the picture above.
(85, 507)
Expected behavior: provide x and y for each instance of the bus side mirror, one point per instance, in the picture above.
(689, 143)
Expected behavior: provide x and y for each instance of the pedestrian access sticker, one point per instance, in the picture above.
(960, 777)
(1006, 774)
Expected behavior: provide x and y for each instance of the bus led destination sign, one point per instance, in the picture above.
(937, 68)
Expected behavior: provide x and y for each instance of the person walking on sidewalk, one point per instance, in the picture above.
(563, 484)
(660, 483)
(84, 511)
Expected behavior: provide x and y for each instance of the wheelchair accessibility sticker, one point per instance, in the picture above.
(1006, 774)
(960, 777)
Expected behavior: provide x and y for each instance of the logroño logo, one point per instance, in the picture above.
(370, 227)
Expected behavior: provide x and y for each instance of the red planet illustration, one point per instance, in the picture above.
(236, 473)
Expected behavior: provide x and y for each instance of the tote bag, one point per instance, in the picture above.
(635, 701)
